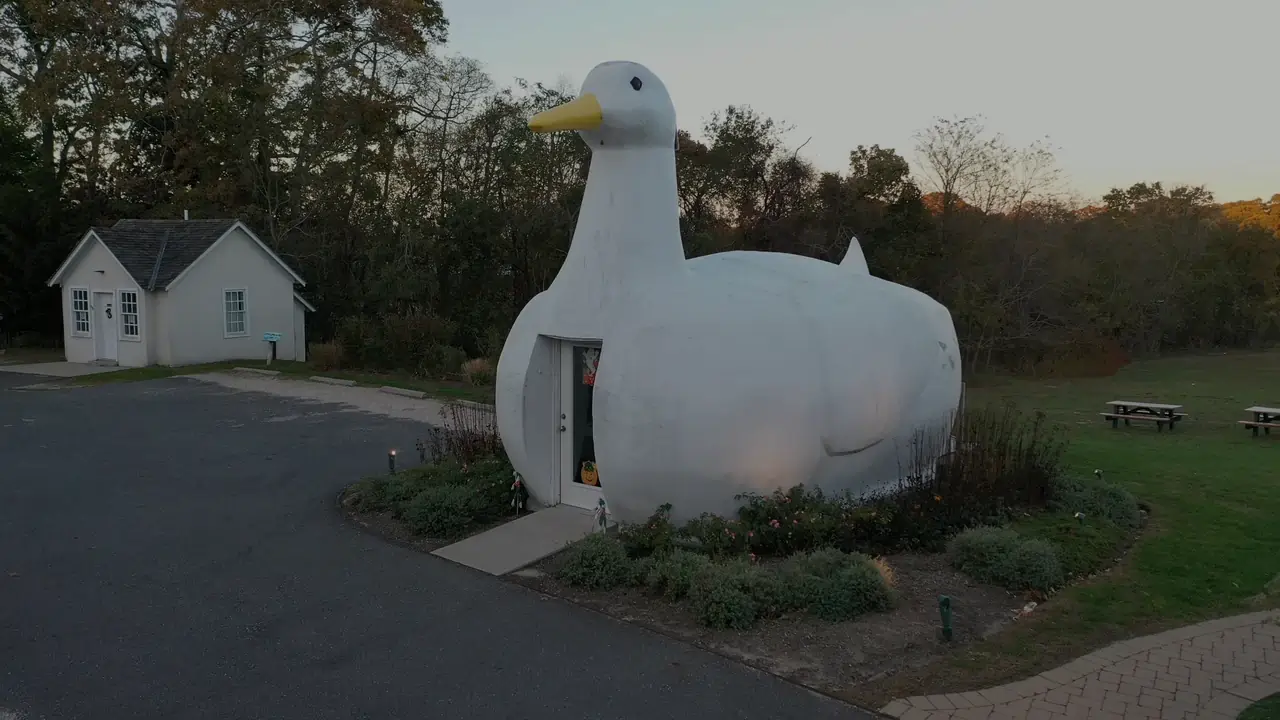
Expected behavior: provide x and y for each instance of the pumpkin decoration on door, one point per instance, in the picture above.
(590, 360)
(590, 476)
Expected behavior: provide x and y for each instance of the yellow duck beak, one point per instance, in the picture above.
(583, 113)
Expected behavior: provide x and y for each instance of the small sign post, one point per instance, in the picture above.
(271, 339)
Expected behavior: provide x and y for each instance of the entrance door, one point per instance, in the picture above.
(105, 316)
(579, 479)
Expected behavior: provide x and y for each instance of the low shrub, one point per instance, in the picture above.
(734, 593)
(641, 568)
(597, 562)
(886, 572)
(721, 596)
(325, 356)
(381, 493)
(827, 583)
(479, 372)
(441, 511)
(369, 495)
(790, 521)
(714, 536)
(673, 573)
(1095, 498)
(1033, 565)
(1000, 556)
(837, 586)
(771, 591)
(655, 535)
(441, 361)
(440, 500)
(412, 339)
(979, 552)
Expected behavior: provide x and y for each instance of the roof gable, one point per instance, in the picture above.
(73, 258)
(169, 283)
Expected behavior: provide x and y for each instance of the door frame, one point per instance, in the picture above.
(566, 491)
(110, 340)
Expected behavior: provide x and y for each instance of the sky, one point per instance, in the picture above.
(1181, 91)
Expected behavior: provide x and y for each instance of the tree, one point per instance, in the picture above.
(21, 261)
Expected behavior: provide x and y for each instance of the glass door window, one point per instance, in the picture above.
(580, 480)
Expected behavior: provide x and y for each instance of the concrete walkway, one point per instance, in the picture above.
(1210, 671)
(59, 369)
(516, 544)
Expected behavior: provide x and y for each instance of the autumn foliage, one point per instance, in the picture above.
(410, 193)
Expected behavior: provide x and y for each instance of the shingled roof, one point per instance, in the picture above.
(156, 252)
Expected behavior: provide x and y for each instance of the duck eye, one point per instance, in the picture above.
(636, 84)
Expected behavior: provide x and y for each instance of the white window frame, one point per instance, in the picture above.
(88, 312)
(226, 313)
(137, 316)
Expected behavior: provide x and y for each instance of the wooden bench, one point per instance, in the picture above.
(1159, 413)
(1264, 418)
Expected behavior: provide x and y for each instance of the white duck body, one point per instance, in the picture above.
(731, 373)
(760, 371)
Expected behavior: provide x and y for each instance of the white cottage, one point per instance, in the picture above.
(178, 292)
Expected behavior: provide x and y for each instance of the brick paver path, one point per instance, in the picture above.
(1210, 671)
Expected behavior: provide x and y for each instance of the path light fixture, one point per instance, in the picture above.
(391, 462)
(944, 606)
(422, 450)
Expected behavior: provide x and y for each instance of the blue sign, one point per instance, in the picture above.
(271, 337)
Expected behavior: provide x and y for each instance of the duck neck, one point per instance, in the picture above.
(628, 228)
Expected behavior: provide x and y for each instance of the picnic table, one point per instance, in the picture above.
(1160, 413)
(1263, 417)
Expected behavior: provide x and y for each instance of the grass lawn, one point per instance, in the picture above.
(1211, 545)
(22, 356)
(441, 389)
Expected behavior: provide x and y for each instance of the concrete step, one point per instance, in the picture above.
(521, 542)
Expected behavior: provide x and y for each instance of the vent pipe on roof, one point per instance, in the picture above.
(186, 214)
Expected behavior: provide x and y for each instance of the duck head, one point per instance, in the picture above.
(621, 104)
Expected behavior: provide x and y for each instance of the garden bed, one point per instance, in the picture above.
(840, 594)
(827, 656)
(1010, 575)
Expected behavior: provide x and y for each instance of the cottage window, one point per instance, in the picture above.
(80, 312)
(236, 315)
(129, 329)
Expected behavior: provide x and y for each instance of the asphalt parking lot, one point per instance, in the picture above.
(172, 549)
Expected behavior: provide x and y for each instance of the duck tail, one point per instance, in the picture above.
(854, 261)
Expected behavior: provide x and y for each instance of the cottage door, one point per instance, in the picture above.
(105, 340)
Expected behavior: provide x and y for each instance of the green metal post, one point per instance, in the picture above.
(944, 606)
